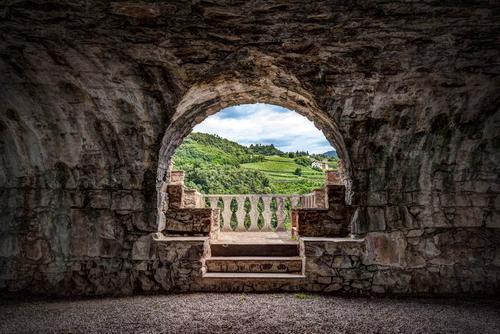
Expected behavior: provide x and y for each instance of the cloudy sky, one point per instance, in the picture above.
(266, 124)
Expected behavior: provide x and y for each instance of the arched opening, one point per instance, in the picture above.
(207, 99)
(255, 149)
(255, 163)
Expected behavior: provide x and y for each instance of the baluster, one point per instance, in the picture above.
(213, 202)
(266, 213)
(294, 201)
(254, 213)
(240, 213)
(280, 213)
(227, 213)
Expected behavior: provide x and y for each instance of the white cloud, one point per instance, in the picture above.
(266, 124)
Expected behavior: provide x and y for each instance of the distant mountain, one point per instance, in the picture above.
(331, 154)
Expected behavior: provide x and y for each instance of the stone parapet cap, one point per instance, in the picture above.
(162, 238)
(334, 240)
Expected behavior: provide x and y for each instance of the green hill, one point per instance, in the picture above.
(216, 165)
(282, 176)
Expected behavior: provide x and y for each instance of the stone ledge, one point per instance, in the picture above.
(158, 237)
(336, 240)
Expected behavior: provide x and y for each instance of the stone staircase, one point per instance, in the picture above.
(267, 255)
(265, 260)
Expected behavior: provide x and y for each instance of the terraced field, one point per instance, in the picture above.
(280, 171)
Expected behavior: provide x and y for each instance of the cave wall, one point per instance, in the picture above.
(88, 89)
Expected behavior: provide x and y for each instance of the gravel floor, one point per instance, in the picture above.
(249, 313)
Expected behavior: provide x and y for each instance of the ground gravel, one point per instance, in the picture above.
(249, 313)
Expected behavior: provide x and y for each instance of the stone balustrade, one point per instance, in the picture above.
(321, 212)
(258, 212)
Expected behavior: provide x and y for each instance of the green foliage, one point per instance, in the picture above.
(298, 171)
(265, 149)
(227, 180)
(280, 171)
(219, 166)
(303, 161)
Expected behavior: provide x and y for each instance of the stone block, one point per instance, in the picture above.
(324, 280)
(79, 234)
(467, 217)
(342, 261)
(438, 219)
(496, 260)
(127, 200)
(106, 225)
(335, 195)
(320, 198)
(376, 219)
(359, 223)
(395, 281)
(192, 199)
(100, 199)
(376, 198)
(318, 267)
(347, 246)
(142, 248)
(188, 221)
(332, 177)
(175, 196)
(333, 287)
(493, 219)
(386, 249)
(321, 223)
(177, 177)
(428, 248)
(9, 245)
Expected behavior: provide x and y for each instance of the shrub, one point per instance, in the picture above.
(303, 161)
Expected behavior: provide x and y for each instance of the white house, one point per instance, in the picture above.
(323, 165)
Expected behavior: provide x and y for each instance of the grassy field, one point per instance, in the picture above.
(280, 171)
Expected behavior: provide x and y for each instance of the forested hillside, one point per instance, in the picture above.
(219, 166)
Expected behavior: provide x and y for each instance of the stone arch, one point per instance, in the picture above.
(207, 99)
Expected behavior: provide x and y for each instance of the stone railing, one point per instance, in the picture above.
(258, 212)
(185, 211)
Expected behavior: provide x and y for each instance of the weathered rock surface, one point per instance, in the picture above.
(95, 97)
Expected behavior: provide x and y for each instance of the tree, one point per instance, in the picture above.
(304, 161)
(298, 171)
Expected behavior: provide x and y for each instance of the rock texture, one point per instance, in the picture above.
(95, 97)
(331, 219)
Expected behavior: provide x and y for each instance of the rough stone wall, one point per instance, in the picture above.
(331, 219)
(407, 91)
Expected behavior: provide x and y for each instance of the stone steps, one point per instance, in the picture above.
(254, 250)
(254, 264)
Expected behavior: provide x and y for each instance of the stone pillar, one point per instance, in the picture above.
(177, 177)
(333, 177)
(320, 198)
